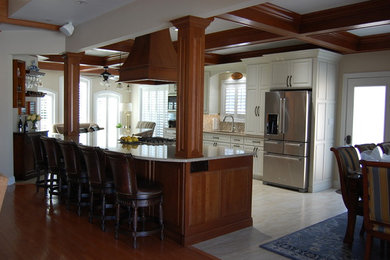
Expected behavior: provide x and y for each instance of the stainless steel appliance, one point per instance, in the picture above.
(287, 138)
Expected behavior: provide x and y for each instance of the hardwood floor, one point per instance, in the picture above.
(33, 228)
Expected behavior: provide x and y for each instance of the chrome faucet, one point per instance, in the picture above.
(233, 127)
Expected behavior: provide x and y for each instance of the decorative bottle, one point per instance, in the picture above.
(20, 125)
(25, 126)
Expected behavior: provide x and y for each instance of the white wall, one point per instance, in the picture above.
(18, 42)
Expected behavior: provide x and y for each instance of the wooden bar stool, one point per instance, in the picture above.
(76, 173)
(40, 162)
(134, 195)
(57, 178)
(100, 182)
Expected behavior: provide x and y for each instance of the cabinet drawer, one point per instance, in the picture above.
(216, 137)
(237, 146)
(254, 141)
(237, 139)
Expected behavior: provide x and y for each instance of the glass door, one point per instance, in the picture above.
(368, 111)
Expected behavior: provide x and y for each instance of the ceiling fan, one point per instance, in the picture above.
(105, 76)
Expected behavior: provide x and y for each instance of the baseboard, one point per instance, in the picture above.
(320, 186)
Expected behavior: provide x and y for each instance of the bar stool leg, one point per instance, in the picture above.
(68, 197)
(161, 220)
(79, 199)
(117, 219)
(103, 211)
(91, 206)
(135, 216)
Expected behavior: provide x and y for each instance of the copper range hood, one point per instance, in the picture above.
(152, 60)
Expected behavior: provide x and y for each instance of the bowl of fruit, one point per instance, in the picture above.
(129, 139)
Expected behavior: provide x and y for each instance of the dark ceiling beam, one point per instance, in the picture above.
(344, 18)
(239, 37)
(378, 42)
(323, 28)
(50, 65)
(236, 57)
(211, 58)
(86, 59)
(124, 46)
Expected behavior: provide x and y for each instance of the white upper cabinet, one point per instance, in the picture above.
(296, 73)
(257, 81)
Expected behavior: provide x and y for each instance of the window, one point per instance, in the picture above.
(234, 98)
(107, 115)
(84, 105)
(154, 106)
(46, 108)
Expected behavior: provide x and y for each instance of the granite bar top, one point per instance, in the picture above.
(151, 152)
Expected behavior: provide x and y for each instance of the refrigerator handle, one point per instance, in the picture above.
(283, 115)
(280, 121)
(284, 157)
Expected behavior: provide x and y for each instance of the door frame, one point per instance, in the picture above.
(344, 97)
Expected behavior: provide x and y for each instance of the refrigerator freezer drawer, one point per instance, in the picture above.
(273, 146)
(287, 171)
(297, 149)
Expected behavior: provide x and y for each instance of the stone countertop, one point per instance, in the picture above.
(152, 152)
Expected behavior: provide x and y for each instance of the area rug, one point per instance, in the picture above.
(323, 240)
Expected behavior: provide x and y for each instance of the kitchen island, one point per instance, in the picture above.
(204, 197)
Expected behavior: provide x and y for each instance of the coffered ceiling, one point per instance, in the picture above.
(342, 26)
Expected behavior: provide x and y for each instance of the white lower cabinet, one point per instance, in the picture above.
(256, 145)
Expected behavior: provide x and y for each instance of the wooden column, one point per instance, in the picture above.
(189, 119)
(71, 93)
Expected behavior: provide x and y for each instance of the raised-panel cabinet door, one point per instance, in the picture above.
(280, 74)
(252, 124)
(301, 72)
(252, 76)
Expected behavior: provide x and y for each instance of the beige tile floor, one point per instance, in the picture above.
(276, 212)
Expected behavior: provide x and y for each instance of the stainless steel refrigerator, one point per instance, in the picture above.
(287, 138)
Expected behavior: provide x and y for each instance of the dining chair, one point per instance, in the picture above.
(385, 146)
(351, 186)
(100, 182)
(146, 125)
(134, 195)
(40, 162)
(365, 147)
(76, 173)
(55, 164)
(376, 197)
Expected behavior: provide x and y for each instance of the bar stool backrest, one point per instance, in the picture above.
(95, 162)
(53, 152)
(72, 158)
(123, 170)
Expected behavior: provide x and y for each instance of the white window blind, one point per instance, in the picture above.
(46, 108)
(107, 116)
(234, 99)
(84, 104)
(154, 107)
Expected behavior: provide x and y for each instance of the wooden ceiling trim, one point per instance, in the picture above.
(236, 57)
(257, 19)
(279, 21)
(124, 46)
(337, 41)
(355, 16)
(4, 19)
(239, 37)
(211, 58)
(50, 65)
(378, 42)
